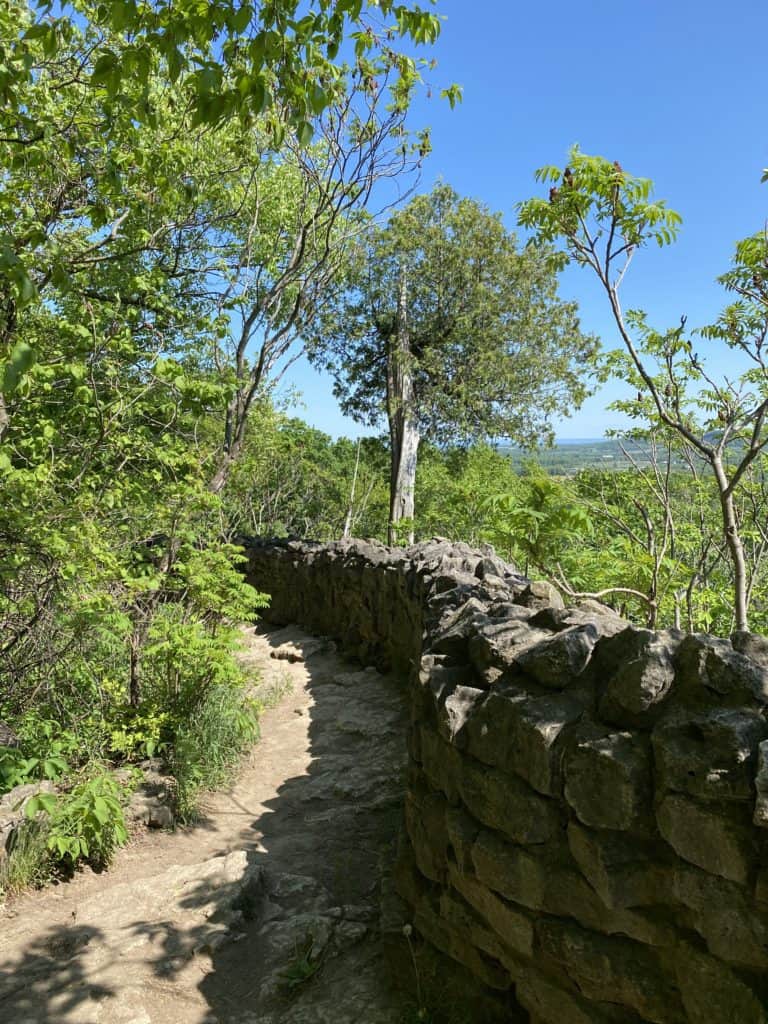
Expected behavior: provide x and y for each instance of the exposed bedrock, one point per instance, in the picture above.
(586, 825)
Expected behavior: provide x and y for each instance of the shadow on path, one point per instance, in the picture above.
(278, 920)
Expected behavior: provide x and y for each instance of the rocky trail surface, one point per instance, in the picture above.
(267, 911)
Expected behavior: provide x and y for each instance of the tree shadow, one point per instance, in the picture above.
(288, 918)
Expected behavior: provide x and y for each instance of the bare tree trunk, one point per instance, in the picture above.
(735, 546)
(350, 508)
(403, 428)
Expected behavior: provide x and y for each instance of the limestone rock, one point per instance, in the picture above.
(540, 594)
(556, 661)
(8, 737)
(491, 729)
(635, 668)
(753, 646)
(463, 830)
(454, 635)
(608, 781)
(508, 804)
(458, 707)
(710, 755)
(536, 753)
(623, 871)
(497, 646)
(711, 992)
(613, 970)
(548, 1003)
(712, 838)
(707, 664)
(511, 925)
(760, 816)
(511, 871)
(448, 939)
(12, 810)
(734, 927)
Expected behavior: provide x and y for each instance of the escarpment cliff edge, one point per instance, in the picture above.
(586, 825)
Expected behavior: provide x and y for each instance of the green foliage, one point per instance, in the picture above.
(302, 968)
(293, 480)
(493, 351)
(603, 216)
(540, 518)
(86, 823)
(28, 862)
(239, 59)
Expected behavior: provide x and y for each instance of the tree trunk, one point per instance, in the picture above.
(351, 507)
(735, 547)
(403, 427)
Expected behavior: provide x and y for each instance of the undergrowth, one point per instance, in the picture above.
(192, 710)
(209, 743)
(28, 864)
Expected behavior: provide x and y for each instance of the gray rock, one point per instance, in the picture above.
(558, 660)
(760, 817)
(635, 667)
(512, 871)
(491, 729)
(734, 926)
(496, 647)
(713, 838)
(613, 970)
(8, 737)
(540, 594)
(707, 666)
(506, 803)
(536, 753)
(712, 993)
(463, 830)
(455, 943)
(548, 1003)
(457, 709)
(13, 806)
(453, 637)
(509, 923)
(608, 781)
(710, 755)
(753, 646)
(622, 871)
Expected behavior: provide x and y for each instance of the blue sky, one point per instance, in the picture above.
(675, 91)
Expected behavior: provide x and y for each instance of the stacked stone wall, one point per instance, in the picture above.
(587, 802)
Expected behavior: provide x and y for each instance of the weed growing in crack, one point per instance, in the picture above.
(302, 968)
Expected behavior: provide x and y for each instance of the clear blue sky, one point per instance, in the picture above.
(675, 91)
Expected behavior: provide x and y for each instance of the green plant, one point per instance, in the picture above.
(16, 768)
(87, 823)
(28, 862)
(303, 967)
(603, 216)
(210, 740)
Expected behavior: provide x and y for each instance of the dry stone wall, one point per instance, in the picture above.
(587, 803)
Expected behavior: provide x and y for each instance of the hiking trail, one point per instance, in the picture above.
(264, 912)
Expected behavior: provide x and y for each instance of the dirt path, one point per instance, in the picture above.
(264, 913)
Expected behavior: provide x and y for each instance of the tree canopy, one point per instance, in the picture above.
(447, 324)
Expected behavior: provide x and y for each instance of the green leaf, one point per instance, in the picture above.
(100, 810)
(22, 359)
(42, 802)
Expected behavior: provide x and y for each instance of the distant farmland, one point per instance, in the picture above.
(568, 457)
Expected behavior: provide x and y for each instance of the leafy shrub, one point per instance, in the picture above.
(87, 823)
(16, 768)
